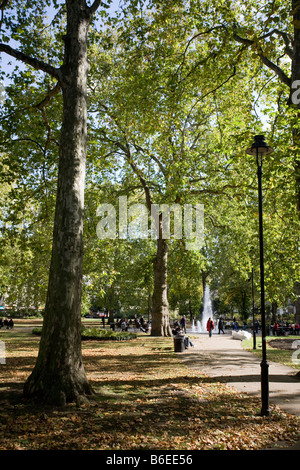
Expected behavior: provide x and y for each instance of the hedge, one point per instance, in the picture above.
(99, 334)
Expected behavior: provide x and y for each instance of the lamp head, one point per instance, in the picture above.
(259, 146)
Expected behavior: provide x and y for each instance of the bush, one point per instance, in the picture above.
(99, 334)
(37, 331)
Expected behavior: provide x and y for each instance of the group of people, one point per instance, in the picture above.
(140, 324)
(210, 326)
(6, 323)
(279, 329)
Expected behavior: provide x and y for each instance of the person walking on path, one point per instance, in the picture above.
(183, 323)
(210, 326)
(220, 325)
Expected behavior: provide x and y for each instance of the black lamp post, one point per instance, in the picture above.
(259, 148)
(253, 311)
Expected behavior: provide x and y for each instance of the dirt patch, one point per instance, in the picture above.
(284, 343)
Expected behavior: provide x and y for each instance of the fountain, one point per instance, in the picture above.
(196, 327)
(207, 308)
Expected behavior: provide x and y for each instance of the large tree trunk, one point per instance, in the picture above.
(297, 303)
(160, 307)
(295, 75)
(274, 311)
(58, 376)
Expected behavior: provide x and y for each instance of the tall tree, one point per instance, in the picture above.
(159, 106)
(59, 376)
(262, 40)
(275, 41)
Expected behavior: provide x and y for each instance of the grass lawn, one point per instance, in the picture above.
(283, 356)
(145, 398)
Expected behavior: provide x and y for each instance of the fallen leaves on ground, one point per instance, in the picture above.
(144, 399)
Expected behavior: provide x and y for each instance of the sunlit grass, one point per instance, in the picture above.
(283, 356)
(145, 398)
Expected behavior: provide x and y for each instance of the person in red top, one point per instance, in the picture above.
(276, 329)
(210, 326)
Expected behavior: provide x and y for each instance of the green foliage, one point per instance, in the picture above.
(176, 99)
(100, 334)
(90, 333)
(283, 355)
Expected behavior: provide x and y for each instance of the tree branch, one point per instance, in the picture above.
(35, 63)
(219, 191)
(153, 157)
(92, 9)
(3, 4)
(279, 72)
(47, 98)
(287, 41)
(125, 148)
(24, 139)
(200, 33)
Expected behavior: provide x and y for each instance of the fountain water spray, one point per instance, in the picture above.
(207, 308)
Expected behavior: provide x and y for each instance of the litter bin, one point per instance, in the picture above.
(179, 344)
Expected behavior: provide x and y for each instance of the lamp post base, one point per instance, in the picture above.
(265, 388)
(254, 340)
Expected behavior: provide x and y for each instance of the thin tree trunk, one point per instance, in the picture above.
(160, 306)
(58, 376)
(297, 303)
(274, 311)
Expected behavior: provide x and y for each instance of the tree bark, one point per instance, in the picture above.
(274, 311)
(58, 376)
(295, 75)
(297, 303)
(160, 306)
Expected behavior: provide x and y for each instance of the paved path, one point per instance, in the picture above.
(223, 357)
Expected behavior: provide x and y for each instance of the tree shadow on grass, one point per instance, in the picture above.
(131, 412)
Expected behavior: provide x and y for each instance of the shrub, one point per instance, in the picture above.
(37, 331)
(99, 334)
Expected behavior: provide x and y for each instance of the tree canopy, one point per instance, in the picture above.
(156, 103)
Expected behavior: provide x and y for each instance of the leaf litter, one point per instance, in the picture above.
(144, 399)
